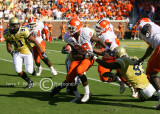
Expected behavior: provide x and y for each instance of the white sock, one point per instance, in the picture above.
(76, 93)
(86, 89)
(44, 37)
(51, 68)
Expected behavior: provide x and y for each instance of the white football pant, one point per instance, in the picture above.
(19, 58)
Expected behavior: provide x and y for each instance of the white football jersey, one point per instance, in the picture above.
(39, 25)
(109, 36)
(83, 44)
(37, 33)
(154, 39)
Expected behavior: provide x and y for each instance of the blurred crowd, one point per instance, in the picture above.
(149, 8)
(66, 9)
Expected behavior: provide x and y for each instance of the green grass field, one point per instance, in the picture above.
(105, 97)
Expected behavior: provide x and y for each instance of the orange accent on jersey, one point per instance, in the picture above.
(90, 34)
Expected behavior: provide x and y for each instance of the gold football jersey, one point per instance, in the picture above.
(19, 40)
(134, 74)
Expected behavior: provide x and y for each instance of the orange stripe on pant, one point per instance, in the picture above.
(78, 67)
(37, 53)
(153, 65)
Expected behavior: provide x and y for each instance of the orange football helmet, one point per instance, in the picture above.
(73, 26)
(32, 23)
(143, 20)
(101, 26)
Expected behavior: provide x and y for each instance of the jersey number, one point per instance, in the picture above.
(82, 48)
(17, 44)
(137, 69)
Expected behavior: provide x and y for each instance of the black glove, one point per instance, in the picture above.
(64, 50)
(141, 60)
(12, 53)
(111, 53)
(44, 55)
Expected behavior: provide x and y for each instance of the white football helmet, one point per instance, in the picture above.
(73, 26)
(101, 26)
(32, 23)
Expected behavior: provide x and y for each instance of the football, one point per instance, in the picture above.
(68, 48)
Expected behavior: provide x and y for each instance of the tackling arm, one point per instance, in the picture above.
(32, 39)
(108, 65)
(147, 54)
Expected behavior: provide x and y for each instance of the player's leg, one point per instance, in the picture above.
(69, 79)
(37, 60)
(47, 61)
(18, 64)
(81, 69)
(152, 70)
(144, 94)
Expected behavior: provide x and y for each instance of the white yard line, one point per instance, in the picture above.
(65, 73)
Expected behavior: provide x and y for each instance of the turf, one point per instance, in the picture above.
(105, 96)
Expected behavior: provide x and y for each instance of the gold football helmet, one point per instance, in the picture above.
(120, 51)
(14, 25)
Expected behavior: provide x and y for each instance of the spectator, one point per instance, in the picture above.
(1, 14)
(63, 30)
(120, 27)
(151, 15)
(6, 13)
(11, 15)
(58, 15)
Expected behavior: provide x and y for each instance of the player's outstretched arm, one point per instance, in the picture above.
(146, 55)
(108, 65)
(32, 39)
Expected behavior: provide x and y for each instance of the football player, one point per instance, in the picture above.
(104, 30)
(20, 37)
(149, 32)
(36, 31)
(45, 31)
(132, 72)
(79, 38)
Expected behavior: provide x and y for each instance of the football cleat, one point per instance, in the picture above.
(30, 85)
(134, 93)
(76, 99)
(55, 90)
(158, 106)
(86, 97)
(122, 87)
(39, 71)
(69, 91)
(53, 71)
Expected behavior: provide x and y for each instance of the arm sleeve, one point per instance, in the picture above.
(108, 65)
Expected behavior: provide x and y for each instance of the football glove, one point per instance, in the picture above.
(140, 61)
(111, 53)
(64, 50)
(13, 52)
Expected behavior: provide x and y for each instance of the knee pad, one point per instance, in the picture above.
(83, 78)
